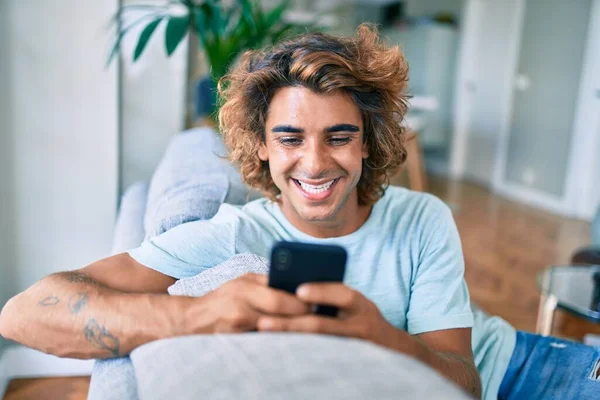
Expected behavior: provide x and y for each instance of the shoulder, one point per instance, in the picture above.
(415, 215)
(258, 205)
(416, 205)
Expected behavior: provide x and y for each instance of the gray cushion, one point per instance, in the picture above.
(282, 366)
(214, 277)
(129, 230)
(192, 180)
(113, 379)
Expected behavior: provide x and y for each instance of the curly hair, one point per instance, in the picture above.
(373, 74)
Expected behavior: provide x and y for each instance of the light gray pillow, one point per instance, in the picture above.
(191, 182)
(286, 366)
(214, 277)
(129, 229)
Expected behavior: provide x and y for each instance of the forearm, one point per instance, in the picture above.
(459, 369)
(456, 367)
(70, 315)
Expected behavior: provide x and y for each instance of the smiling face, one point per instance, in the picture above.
(314, 146)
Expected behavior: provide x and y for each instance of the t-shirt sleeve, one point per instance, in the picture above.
(439, 296)
(190, 248)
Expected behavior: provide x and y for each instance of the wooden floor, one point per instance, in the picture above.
(74, 388)
(506, 245)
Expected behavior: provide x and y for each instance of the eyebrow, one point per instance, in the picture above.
(343, 128)
(287, 128)
(331, 129)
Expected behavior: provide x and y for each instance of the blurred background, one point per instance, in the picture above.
(505, 113)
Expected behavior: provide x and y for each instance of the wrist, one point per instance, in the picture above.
(171, 316)
(194, 316)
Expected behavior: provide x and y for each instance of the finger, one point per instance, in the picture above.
(258, 278)
(332, 294)
(250, 320)
(244, 320)
(272, 301)
(307, 324)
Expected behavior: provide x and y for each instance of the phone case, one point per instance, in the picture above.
(295, 263)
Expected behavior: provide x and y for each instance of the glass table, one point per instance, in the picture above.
(575, 289)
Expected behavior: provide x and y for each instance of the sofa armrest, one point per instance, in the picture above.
(192, 180)
(129, 227)
(114, 378)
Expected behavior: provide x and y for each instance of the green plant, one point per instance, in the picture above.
(222, 31)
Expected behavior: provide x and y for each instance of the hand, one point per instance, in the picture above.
(358, 316)
(237, 305)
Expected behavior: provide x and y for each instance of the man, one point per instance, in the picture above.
(315, 124)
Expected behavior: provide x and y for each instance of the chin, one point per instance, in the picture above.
(315, 217)
(322, 212)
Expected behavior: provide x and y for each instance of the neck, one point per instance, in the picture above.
(348, 220)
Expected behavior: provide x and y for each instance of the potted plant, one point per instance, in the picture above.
(222, 30)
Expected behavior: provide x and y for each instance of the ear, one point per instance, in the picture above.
(263, 154)
(365, 150)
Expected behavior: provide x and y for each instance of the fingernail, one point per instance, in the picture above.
(302, 291)
(266, 324)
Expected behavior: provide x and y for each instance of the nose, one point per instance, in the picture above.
(315, 159)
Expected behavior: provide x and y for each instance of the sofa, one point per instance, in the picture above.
(190, 183)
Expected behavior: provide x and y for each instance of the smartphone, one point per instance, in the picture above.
(295, 263)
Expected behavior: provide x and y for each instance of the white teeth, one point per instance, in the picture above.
(316, 189)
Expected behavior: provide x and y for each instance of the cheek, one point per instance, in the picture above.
(283, 157)
(281, 162)
(353, 160)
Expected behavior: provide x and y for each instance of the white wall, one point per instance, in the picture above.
(6, 238)
(421, 8)
(59, 137)
(596, 187)
(582, 188)
(152, 102)
(545, 102)
(487, 85)
(484, 85)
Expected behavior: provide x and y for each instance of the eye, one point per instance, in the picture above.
(339, 141)
(290, 141)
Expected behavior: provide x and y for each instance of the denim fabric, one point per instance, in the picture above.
(549, 368)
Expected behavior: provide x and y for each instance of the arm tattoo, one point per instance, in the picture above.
(78, 302)
(99, 337)
(49, 301)
(78, 277)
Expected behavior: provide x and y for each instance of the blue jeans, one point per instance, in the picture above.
(550, 368)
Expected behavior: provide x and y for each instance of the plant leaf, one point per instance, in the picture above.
(274, 16)
(113, 51)
(216, 19)
(247, 13)
(200, 22)
(145, 37)
(176, 29)
(122, 29)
